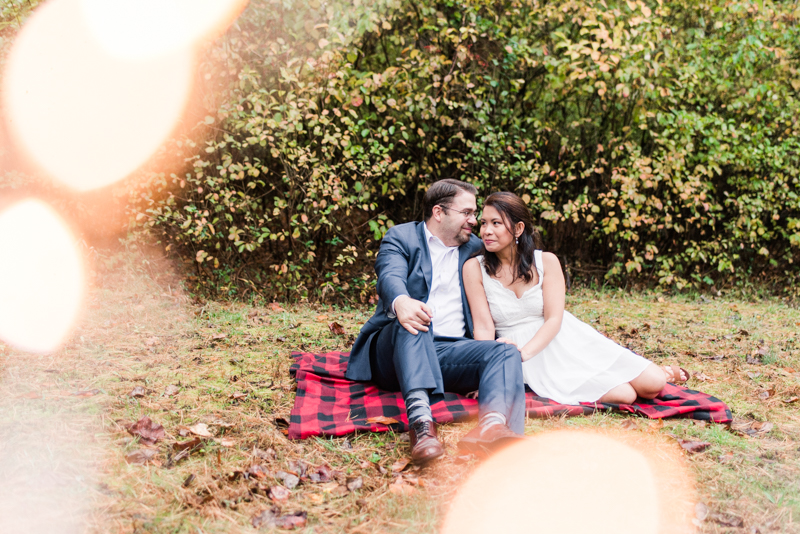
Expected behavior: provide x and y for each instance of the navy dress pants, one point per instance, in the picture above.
(402, 361)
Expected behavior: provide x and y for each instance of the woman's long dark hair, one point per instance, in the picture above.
(513, 210)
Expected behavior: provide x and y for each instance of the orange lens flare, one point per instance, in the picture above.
(84, 116)
(568, 481)
(149, 28)
(41, 277)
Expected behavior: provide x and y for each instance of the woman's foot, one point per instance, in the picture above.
(675, 374)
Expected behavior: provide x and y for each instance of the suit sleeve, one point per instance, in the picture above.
(391, 266)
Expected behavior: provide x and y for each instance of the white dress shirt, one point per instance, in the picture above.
(444, 298)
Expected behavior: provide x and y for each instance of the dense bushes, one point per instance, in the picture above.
(652, 140)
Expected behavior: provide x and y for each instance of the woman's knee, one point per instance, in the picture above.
(650, 383)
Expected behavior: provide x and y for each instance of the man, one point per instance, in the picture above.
(419, 340)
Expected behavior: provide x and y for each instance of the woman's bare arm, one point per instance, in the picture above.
(476, 296)
(553, 292)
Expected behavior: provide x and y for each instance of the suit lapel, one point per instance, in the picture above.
(427, 265)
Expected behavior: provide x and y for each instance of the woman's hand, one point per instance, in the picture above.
(506, 341)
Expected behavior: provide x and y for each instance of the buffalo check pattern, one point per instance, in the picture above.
(328, 404)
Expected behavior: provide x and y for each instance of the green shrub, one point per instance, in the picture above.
(652, 140)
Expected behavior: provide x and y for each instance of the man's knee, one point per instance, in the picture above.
(503, 353)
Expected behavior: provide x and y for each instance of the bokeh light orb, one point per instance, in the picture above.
(41, 277)
(569, 482)
(81, 114)
(148, 28)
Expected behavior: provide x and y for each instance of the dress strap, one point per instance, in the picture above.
(537, 258)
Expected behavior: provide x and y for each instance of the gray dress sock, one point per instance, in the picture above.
(418, 405)
(492, 418)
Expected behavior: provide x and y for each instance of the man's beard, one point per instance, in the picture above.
(462, 238)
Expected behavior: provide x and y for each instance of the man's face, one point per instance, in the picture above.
(457, 220)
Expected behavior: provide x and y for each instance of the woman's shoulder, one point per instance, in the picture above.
(473, 266)
(550, 260)
(474, 262)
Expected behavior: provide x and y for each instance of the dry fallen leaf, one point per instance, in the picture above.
(725, 458)
(629, 424)
(315, 498)
(292, 521)
(289, 480)
(337, 329)
(200, 429)
(762, 427)
(147, 431)
(264, 454)
(150, 341)
(401, 488)
(142, 456)
(266, 518)
(137, 392)
(256, 471)
(221, 423)
(171, 390)
(400, 464)
(702, 377)
(693, 447)
(237, 395)
(791, 400)
(701, 511)
(275, 307)
(217, 337)
(354, 484)
(322, 318)
(320, 474)
(226, 442)
(279, 493)
(728, 520)
(763, 394)
(382, 420)
(190, 444)
(298, 468)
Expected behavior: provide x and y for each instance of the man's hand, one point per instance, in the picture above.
(414, 315)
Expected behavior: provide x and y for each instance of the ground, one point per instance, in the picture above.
(215, 376)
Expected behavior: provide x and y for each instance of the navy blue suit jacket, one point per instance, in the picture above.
(403, 267)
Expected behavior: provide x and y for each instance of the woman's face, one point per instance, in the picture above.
(496, 236)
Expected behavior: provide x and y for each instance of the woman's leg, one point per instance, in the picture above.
(650, 383)
(621, 394)
(647, 386)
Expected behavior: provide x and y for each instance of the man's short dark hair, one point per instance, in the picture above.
(441, 193)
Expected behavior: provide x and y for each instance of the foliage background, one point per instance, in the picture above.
(655, 142)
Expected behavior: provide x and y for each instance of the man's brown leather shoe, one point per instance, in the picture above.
(425, 445)
(483, 440)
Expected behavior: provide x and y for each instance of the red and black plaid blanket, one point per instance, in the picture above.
(329, 404)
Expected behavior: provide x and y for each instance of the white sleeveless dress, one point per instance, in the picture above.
(579, 365)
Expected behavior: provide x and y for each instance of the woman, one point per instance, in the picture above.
(517, 292)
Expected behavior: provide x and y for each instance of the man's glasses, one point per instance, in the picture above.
(468, 214)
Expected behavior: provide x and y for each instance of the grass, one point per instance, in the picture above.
(226, 365)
